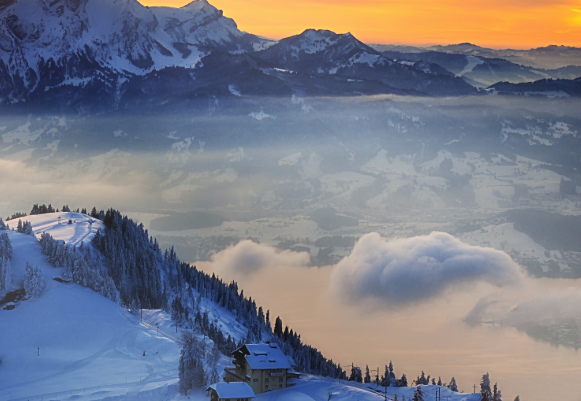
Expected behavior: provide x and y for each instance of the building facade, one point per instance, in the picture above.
(263, 366)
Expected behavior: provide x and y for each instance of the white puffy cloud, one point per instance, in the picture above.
(409, 270)
(248, 257)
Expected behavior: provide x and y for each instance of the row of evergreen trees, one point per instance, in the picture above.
(197, 366)
(33, 280)
(80, 266)
(5, 268)
(488, 394)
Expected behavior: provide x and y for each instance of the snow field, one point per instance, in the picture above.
(82, 229)
(90, 348)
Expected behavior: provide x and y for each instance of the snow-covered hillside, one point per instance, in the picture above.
(72, 228)
(72, 343)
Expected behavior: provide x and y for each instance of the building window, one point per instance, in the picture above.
(280, 379)
(266, 386)
(266, 380)
(254, 380)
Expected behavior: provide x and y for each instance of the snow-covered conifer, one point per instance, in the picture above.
(5, 276)
(356, 375)
(418, 394)
(33, 281)
(485, 392)
(191, 371)
(5, 246)
(403, 382)
(278, 326)
(212, 363)
(2, 225)
(452, 385)
(135, 306)
(496, 393)
(367, 378)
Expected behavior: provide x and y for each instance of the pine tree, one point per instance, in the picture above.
(517, 398)
(418, 394)
(485, 392)
(5, 276)
(439, 381)
(33, 281)
(452, 385)
(212, 364)
(5, 246)
(367, 378)
(385, 379)
(191, 370)
(278, 326)
(496, 393)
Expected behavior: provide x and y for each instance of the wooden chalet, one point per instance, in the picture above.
(263, 366)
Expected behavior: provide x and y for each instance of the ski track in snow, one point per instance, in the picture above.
(471, 63)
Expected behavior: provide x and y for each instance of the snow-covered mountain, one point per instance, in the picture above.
(549, 57)
(482, 71)
(322, 52)
(73, 42)
(87, 54)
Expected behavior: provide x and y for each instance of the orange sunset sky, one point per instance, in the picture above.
(491, 23)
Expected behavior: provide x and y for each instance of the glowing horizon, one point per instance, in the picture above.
(496, 24)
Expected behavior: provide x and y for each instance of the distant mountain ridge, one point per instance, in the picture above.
(544, 87)
(549, 57)
(102, 55)
(71, 42)
(84, 54)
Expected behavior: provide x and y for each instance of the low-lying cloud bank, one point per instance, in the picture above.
(248, 257)
(556, 306)
(409, 270)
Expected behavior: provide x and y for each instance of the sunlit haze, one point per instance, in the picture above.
(496, 23)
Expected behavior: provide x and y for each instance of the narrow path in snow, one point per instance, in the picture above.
(471, 63)
(172, 337)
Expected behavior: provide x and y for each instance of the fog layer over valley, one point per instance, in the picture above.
(374, 226)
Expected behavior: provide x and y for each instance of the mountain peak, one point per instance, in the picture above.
(196, 5)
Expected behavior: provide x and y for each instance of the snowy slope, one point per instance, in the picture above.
(89, 347)
(73, 344)
(314, 388)
(82, 229)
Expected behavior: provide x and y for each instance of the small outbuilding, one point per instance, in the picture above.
(235, 391)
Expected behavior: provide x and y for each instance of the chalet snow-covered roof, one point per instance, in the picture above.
(265, 356)
(233, 390)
